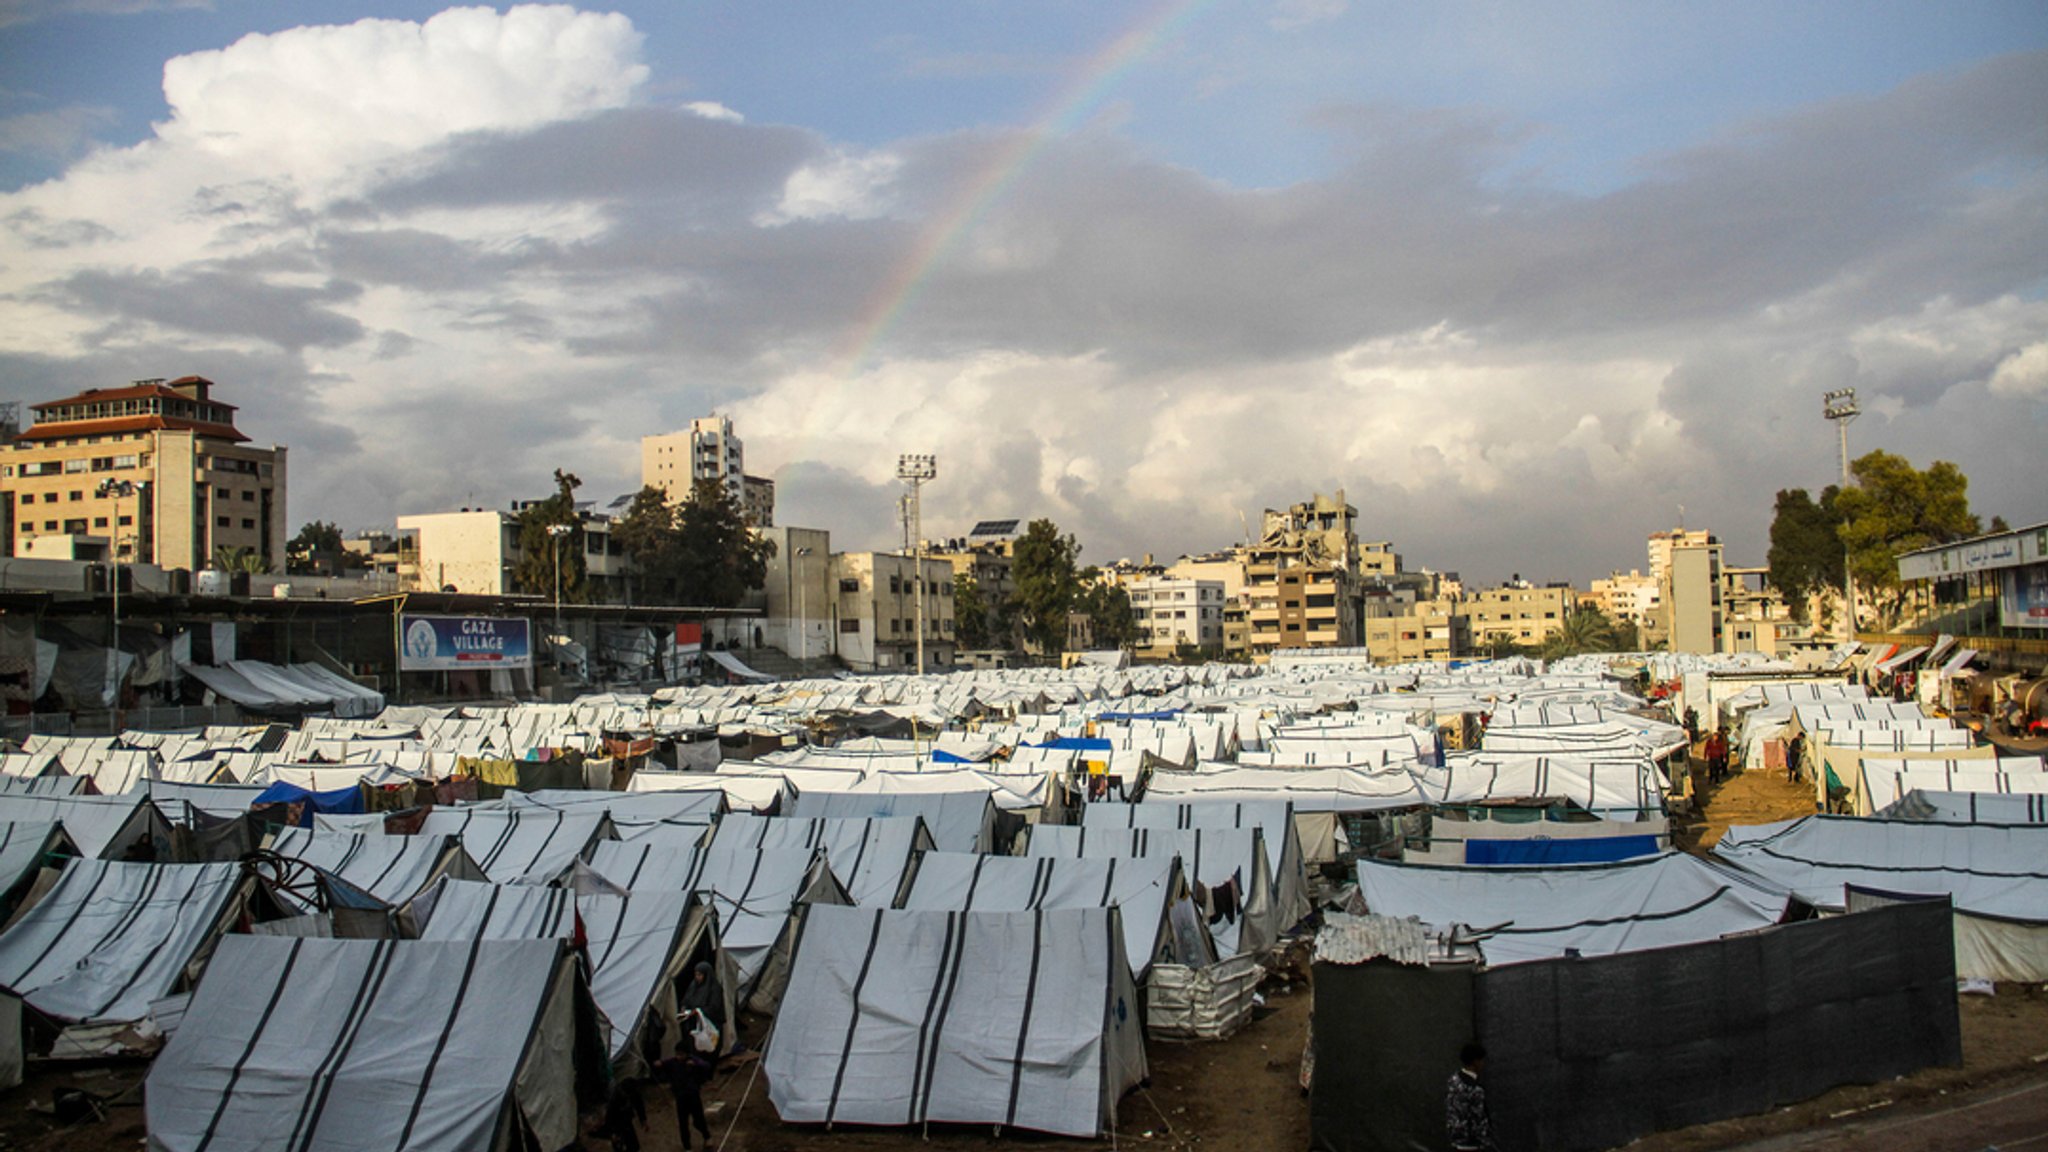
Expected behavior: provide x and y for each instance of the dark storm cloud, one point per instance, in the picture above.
(211, 302)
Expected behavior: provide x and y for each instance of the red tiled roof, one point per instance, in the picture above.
(131, 392)
(65, 429)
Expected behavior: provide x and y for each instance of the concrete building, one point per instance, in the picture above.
(1689, 585)
(1519, 614)
(1628, 597)
(707, 450)
(1430, 630)
(155, 472)
(798, 596)
(475, 551)
(1171, 614)
(1301, 578)
(875, 611)
(1754, 617)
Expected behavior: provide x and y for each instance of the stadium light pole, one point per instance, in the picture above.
(555, 534)
(803, 630)
(1839, 407)
(115, 490)
(915, 469)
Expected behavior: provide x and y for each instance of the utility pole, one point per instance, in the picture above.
(803, 629)
(555, 534)
(1839, 407)
(115, 490)
(915, 469)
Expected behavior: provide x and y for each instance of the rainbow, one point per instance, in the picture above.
(1068, 108)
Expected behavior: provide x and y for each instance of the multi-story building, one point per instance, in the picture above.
(1629, 597)
(1689, 585)
(1519, 614)
(1171, 614)
(875, 608)
(476, 550)
(1754, 616)
(1430, 630)
(1301, 578)
(797, 596)
(155, 472)
(708, 450)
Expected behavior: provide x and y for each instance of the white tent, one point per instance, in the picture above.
(754, 891)
(393, 869)
(102, 826)
(1994, 874)
(639, 943)
(957, 821)
(111, 937)
(1284, 856)
(334, 1045)
(873, 858)
(1211, 857)
(1598, 910)
(1017, 1019)
(533, 845)
(1160, 922)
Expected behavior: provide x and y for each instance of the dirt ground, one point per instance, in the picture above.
(1243, 1095)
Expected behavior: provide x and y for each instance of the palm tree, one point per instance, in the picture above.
(229, 559)
(1586, 630)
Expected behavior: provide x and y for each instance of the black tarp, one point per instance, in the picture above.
(1592, 1053)
(1387, 1037)
(1595, 1052)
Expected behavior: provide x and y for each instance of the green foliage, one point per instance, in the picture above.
(313, 539)
(534, 574)
(248, 560)
(650, 536)
(1806, 546)
(976, 623)
(717, 560)
(1585, 630)
(1108, 606)
(1048, 581)
(1895, 508)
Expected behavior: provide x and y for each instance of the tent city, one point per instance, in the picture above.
(1257, 575)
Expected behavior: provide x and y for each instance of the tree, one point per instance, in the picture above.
(718, 561)
(1806, 546)
(538, 548)
(975, 623)
(1585, 630)
(1108, 607)
(313, 539)
(229, 559)
(1895, 508)
(650, 534)
(1043, 563)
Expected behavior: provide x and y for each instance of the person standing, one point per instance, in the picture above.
(685, 1074)
(1717, 755)
(1466, 1123)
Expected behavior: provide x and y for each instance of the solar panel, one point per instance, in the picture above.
(995, 528)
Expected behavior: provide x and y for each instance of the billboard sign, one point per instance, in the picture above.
(2026, 597)
(464, 643)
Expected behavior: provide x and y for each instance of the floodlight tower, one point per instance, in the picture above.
(1839, 407)
(914, 469)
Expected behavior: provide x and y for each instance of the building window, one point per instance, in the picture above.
(850, 626)
(99, 521)
(77, 496)
(251, 524)
(220, 493)
(222, 522)
(248, 497)
(78, 465)
(49, 525)
(125, 521)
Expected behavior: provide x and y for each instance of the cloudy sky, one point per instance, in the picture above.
(1522, 279)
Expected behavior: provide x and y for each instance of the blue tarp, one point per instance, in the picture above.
(1578, 850)
(941, 756)
(338, 802)
(1078, 744)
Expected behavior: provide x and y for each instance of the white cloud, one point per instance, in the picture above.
(2024, 373)
(320, 102)
(713, 110)
(1290, 14)
(59, 132)
(23, 11)
(848, 185)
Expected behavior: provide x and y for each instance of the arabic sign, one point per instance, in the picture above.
(464, 643)
(2011, 550)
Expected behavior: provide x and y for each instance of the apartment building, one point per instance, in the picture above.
(707, 450)
(154, 472)
(1172, 613)
(1754, 616)
(1688, 564)
(1630, 597)
(1519, 614)
(1429, 630)
(875, 611)
(476, 550)
(1301, 578)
